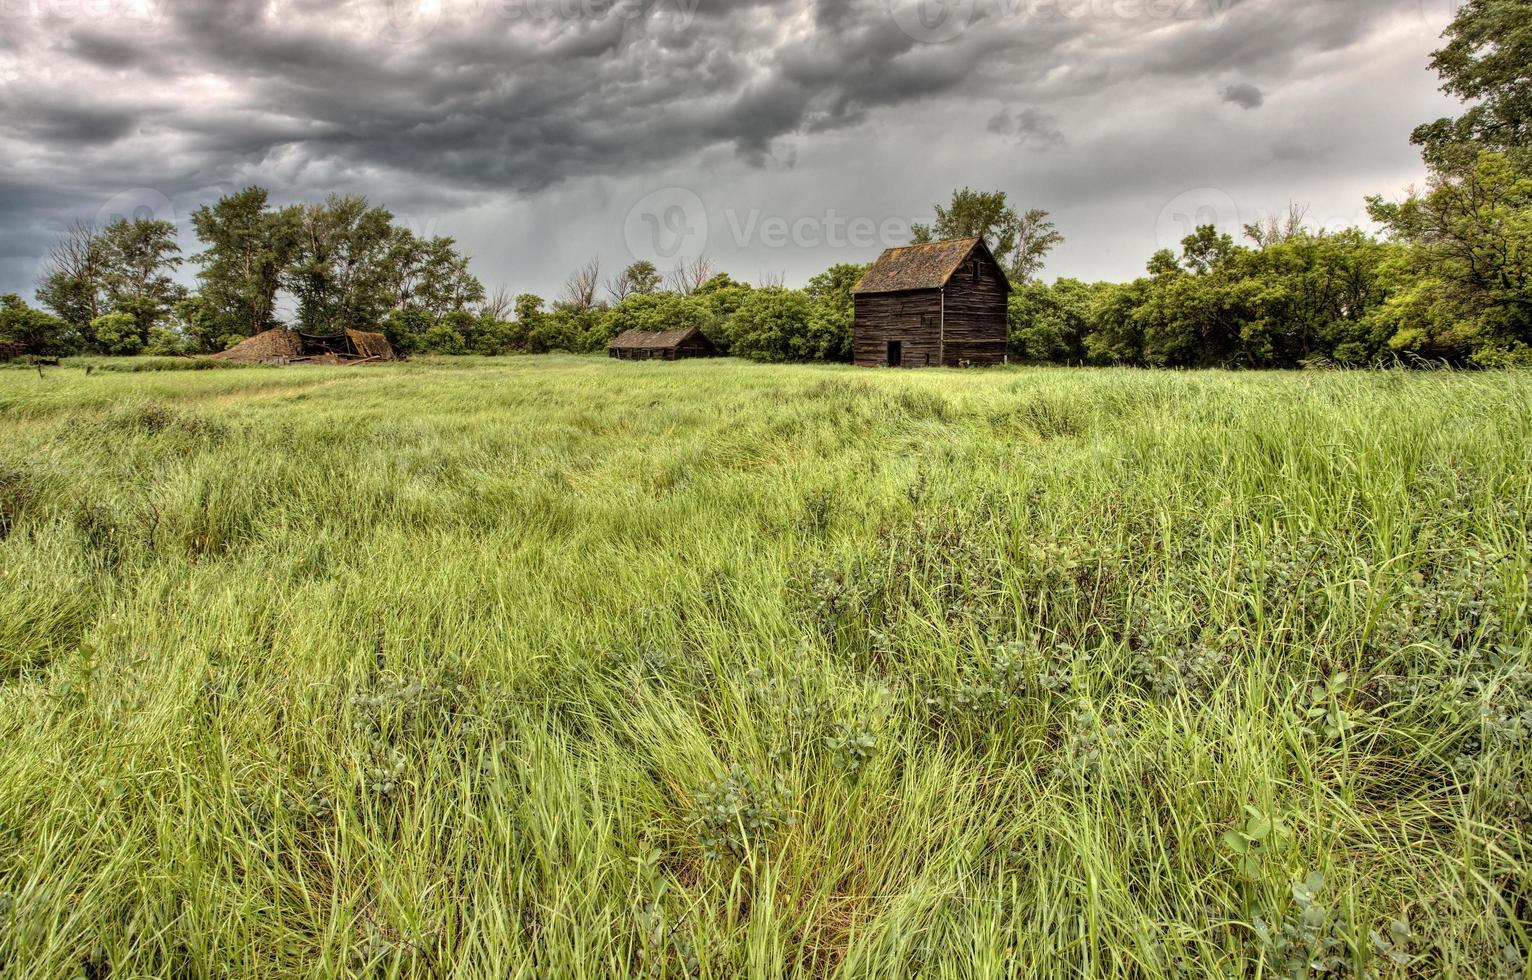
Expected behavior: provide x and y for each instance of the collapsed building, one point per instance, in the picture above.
(279, 345)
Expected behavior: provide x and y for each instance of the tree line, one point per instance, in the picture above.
(1447, 280)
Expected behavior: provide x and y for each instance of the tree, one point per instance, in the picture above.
(444, 337)
(1205, 248)
(654, 312)
(123, 268)
(1470, 251)
(688, 277)
(833, 286)
(117, 333)
(73, 280)
(339, 270)
(973, 214)
(829, 328)
(580, 288)
(429, 274)
(1050, 323)
(247, 247)
(36, 331)
(1035, 237)
(639, 279)
(140, 256)
(1488, 59)
(529, 307)
(1020, 242)
(1115, 334)
(1276, 229)
(771, 325)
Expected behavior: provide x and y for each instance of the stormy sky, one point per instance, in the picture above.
(775, 136)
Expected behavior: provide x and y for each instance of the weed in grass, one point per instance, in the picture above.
(1089, 745)
(737, 816)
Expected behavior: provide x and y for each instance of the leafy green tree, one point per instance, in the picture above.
(141, 254)
(639, 279)
(247, 247)
(1204, 249)
(528, 317)
(406, 329)
(833, 286)
(529, 307)
(444, 338)
(1487, 60)
(168, 342)
(771, 325)
(1115, 334)
(124, 268)
(970, 214)
(722, 296)
(338, 270)
(1470, 249)
(566, 329)
(117, 333)
(654, 312)
(1036, 236)
(1021, 242)
(36, 331)
(828, 332)
(1050, 323)
(497, 336)
(430, 274)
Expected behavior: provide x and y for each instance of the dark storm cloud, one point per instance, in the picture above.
(108, 51)
(1030, 126)
(452, 104)
(1244, 95)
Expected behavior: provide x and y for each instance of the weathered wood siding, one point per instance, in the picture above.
(913, 318)
(974, 328)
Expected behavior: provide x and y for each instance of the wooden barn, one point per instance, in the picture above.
(668, 345)
(938, 304)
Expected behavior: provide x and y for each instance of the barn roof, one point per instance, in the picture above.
(927, 266)
(652, 340)
(369, 343)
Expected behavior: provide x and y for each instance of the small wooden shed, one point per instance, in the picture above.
(666, 345)
(936, 304)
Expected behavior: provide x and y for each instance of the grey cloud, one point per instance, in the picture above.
(1244, 95)
(494, 102)
(1030, 127)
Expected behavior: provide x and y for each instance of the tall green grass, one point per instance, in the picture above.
(561, 667)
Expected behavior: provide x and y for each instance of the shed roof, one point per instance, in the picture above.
(652, 340)
(926, 266)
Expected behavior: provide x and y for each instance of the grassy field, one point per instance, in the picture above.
(559, 667)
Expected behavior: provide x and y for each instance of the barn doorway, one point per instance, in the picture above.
(896, 353)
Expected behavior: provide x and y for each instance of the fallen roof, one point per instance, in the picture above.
(652, 340)
(926, 266)
(281, 345)
(278, 343)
